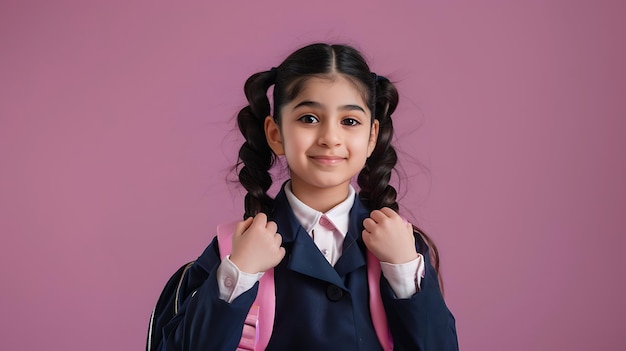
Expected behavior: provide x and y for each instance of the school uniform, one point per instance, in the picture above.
(318, 306)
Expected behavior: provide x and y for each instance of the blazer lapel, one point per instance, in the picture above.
(303, 256)
(353, 254)
(307, 259)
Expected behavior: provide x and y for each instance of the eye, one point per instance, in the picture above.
(309, 119)
(350, 121)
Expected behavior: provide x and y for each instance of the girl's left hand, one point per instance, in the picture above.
(389, 237)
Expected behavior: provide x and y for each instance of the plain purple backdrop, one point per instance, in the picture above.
(117, 135)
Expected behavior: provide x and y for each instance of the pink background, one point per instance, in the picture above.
(117, 134)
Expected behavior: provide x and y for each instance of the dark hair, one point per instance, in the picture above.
(321, 60)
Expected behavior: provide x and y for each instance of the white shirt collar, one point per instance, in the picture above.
(339, 215)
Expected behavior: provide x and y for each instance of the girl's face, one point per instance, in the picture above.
(326, 135)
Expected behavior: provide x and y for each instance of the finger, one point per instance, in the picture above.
(281, 252)
(367, 237)
(389, 212)
(365, 234)
(242, 226)
(271, 227)
(260, 220)
(369, 224)
(377, 216)
(278, 238)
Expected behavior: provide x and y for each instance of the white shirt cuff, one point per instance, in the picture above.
(232, 282)
(405, 278)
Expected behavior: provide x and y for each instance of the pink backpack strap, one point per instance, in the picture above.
(377, 310)
(259, 323)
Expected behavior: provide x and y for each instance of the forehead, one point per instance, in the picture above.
(330, 90)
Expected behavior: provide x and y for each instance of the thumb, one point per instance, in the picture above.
(241, 227)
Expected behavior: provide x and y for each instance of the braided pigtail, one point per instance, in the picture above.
(255, 155)
(374, 178)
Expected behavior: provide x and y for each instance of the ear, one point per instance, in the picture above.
(273, 136)
(373, 138)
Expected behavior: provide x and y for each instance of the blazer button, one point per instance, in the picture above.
(334, 293)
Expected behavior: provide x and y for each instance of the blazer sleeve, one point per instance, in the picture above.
(422, 322)
(204, 321)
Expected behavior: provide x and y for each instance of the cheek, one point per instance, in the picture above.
(294, 146)
(361, 148)
(299, 139)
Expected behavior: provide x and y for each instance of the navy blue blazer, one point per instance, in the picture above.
(318, 306)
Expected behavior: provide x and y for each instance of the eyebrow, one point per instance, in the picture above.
(318, 105)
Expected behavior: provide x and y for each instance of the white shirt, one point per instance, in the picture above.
(328, 231)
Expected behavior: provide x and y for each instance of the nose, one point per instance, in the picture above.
(330, 135)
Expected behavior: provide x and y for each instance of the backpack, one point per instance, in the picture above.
(167, 306)
(256, 334)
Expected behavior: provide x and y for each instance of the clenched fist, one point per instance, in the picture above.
(256, 245)
(389, 237)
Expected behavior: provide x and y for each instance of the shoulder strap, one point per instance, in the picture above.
(260, 321)
(377, 310)
(265, 304)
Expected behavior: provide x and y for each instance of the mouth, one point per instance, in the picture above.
(327, 160)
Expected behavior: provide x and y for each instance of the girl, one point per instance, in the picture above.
(331, 121)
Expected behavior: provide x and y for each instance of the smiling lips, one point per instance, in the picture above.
(327, 160)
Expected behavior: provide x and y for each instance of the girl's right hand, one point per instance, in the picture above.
(256, 245)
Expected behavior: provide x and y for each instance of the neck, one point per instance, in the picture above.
(320, 199)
